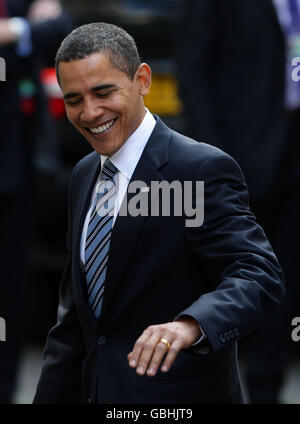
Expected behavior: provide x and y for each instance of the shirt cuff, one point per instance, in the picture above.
(202, 344)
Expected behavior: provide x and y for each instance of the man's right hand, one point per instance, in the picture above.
(7, 36)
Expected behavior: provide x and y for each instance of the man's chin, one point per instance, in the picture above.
(102, 149)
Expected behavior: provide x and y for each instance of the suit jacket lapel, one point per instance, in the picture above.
(127, 228)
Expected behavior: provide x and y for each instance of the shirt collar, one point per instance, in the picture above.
(127, 157)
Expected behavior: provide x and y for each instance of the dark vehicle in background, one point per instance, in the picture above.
(152, 23)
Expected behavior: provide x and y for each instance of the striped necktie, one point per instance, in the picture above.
(99, 235)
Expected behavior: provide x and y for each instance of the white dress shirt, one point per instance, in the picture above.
(125, 160)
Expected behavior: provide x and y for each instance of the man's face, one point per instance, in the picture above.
(102, 102)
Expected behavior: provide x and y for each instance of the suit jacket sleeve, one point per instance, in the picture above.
(246, 278)
(60, 380)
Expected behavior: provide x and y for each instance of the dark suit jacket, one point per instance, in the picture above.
(231, 70)
(223, 273)
(16, 141)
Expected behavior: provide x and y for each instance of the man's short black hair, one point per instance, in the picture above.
(100, 37)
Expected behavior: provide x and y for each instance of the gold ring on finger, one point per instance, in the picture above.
(164, 341)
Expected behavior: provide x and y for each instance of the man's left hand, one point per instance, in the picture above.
(149, 351)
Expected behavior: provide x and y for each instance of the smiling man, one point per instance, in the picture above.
(103, 102)
(150, 310)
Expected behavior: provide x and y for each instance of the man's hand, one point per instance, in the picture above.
(7, 36)
(42, 10)
(149, 351)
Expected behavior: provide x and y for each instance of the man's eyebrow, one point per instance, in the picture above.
(97, 88)
(70, 95)
(103, 87)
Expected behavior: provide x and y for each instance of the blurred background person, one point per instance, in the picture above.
(234, 71)
(30, 31)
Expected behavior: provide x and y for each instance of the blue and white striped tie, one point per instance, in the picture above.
(98, 237)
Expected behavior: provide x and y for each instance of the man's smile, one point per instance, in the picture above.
(101, 128)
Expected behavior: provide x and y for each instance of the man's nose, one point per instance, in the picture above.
(91, 111)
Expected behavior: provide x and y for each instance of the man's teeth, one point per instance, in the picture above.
(102, 127)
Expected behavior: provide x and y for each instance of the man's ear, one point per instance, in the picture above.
(143, 75)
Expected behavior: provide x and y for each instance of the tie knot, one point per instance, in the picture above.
(108, 170)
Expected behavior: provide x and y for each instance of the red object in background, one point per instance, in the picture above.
(28, 106)
(56, 105)
(3, 9)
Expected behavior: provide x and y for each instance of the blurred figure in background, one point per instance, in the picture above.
(30, 31)
(238, 96)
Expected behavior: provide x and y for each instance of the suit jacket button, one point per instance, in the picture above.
(101, 341)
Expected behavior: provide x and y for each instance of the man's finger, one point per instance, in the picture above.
(171, 356)
(134, 356)
(158, 355)
(147, 352)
